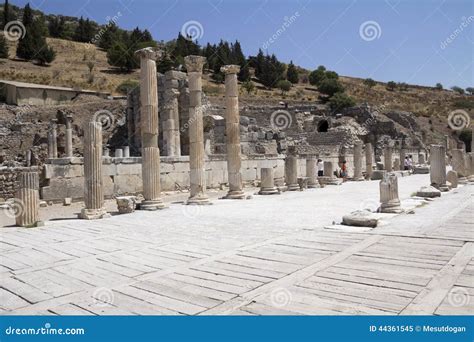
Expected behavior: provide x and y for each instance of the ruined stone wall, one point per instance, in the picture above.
(8, 180)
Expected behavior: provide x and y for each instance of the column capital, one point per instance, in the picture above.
(149, 53)
(230, 69)
(194, 63)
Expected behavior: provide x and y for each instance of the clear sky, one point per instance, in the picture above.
(413, 41)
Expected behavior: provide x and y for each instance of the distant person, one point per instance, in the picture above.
(320, 165)
(344, 170)
(410, 162)
(406, 164)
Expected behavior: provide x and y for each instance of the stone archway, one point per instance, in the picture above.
(323, 126)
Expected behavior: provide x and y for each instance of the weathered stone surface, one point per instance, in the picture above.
(267, 184)
(312, 173)
(438, 167)
(126, 204)
(378, 174)
(368, 160)
(452, 177)
(428, 191)
(389, 201)
(360, 218)
(26, 203)
(358, 162)
(291, 173)
(421, 169)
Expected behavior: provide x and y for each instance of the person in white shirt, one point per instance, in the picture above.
(320, 165)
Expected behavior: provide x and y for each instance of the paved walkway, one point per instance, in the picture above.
(268, 255)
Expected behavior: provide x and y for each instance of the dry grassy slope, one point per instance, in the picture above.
(70, 68)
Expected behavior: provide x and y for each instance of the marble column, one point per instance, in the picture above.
(267, 185)
(26, 202)
(368, 160)
(402, 159)
(126, 151)
(69, 148)
(329, 178)
(291, 173)
(194, 65)
(458, 163)
(93, 186)
(171, 135)
(358, 162)
(118, 153)
(53, 139)
(232, 127)
(438, 168)
(389, 201)
(149, 130)
(470, 166)
(312, 172)
(421, 158)
(387, 155)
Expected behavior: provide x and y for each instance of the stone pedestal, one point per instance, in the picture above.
(171, 137)
(312, 172)
(368, 160)
(459, 164)
(470, 166)
(389, 201)
(358, 162)
(194, 65)
(69, 147)
(387, 155)
(149, 130)
(329, 178)
(53, 139)
(93, 187)
(267, 185)
(438, 168)
(421, 158)
(291, 173)
(452, 179)
(232, 126)
(118, 153)
(126, 204)
(26, 203)
(126, 151)
(402, 159)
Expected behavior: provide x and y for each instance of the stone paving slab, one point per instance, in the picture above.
(261, 256)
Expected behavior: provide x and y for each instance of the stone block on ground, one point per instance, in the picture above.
(428, 191)
(421, 169)
(452, 177)
(360, 218)
(126, 204)
(378, 174)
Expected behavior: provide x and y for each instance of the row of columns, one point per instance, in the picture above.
(53, 138)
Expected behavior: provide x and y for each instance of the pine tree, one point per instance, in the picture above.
(109, 36)
(6, 14)
(57, 27)
(292, 73)
(3, 47)
(26, 45)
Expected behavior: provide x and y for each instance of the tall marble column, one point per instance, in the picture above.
(69, 148)
(194, 65)
(26, 203)
(291, 173)
(387, 155)
(149, 130)
(53, 139)
(267, 186)
(368, 160)
(312, 172)
(470, 166)
(93, 186)
(438, 168)
(171, 124)
(358, 162)
(389, 201)
(232, 127)
(458, 163)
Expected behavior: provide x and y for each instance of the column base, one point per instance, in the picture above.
(462, 180)
(326, 180)
(234, 195)
(200, 199)
(293, 187)
(269, 191)
(442, 188)
(93, 214)
(152, 205)
(358, 179)
(391, 208)
(313, 185)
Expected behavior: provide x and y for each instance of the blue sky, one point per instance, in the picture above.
(404, 41)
